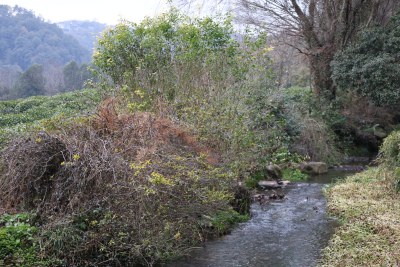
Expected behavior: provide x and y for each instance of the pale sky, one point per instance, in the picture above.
(104, 11)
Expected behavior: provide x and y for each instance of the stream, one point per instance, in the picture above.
(281, 233)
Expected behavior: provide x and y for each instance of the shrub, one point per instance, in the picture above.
(117, 188)
(18, 246)
(195, 72)
(309, 131)
(294, 175)
(224, 221)
(390, 150)
(370, 66)
(254, 178)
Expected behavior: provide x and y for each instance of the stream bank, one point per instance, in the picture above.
(287, 232)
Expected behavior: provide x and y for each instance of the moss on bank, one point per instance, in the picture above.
(369, 207)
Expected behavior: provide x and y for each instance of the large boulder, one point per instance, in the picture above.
(274, 172)
(314, 168)
(272, 184)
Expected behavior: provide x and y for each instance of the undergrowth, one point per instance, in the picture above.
(127, 188)
(390, 156)
(18, 246)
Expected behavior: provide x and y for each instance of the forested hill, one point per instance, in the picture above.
(85, 32)
(26, 39)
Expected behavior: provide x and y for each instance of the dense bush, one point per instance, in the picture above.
(118, 189)
(18, 246)
(194, 71)
(309, 126)
(370, 66)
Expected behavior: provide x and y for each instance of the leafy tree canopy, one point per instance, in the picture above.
(155, 44)
(31, 82)
(371, 65)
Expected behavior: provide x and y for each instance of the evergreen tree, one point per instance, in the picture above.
(31, 82)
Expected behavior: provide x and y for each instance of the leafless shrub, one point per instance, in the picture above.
(116, 189)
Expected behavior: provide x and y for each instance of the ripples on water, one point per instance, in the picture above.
(289, 232)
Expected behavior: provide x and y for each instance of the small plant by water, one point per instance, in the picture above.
(294, 175)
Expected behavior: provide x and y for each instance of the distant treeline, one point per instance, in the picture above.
(42, 80)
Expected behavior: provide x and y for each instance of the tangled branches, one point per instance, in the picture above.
(116, 188)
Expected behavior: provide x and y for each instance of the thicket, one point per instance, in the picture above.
(195, 72)
(118, 189)
(370, 65)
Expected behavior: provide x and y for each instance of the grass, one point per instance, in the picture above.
(370, 210)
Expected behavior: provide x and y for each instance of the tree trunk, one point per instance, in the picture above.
(321, 73)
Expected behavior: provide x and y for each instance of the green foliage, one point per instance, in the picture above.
(294, 175)
(309, 126)
(223, 221)
(200, 75)
(75, 76)
(17, 242)
(370, 65)
(254, 178)
(31, 82)
(390, 150)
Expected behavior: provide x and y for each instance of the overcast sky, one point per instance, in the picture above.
(104, 11)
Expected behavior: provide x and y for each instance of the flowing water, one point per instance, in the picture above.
(288, 232)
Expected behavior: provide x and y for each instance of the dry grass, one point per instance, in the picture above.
(316, 141)
(370, 209)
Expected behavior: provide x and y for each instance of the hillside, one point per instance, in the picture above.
(26, 39)
(85, 32)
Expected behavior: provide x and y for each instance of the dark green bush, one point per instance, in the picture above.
(223, 221)
(371, 66)
(18, 246)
